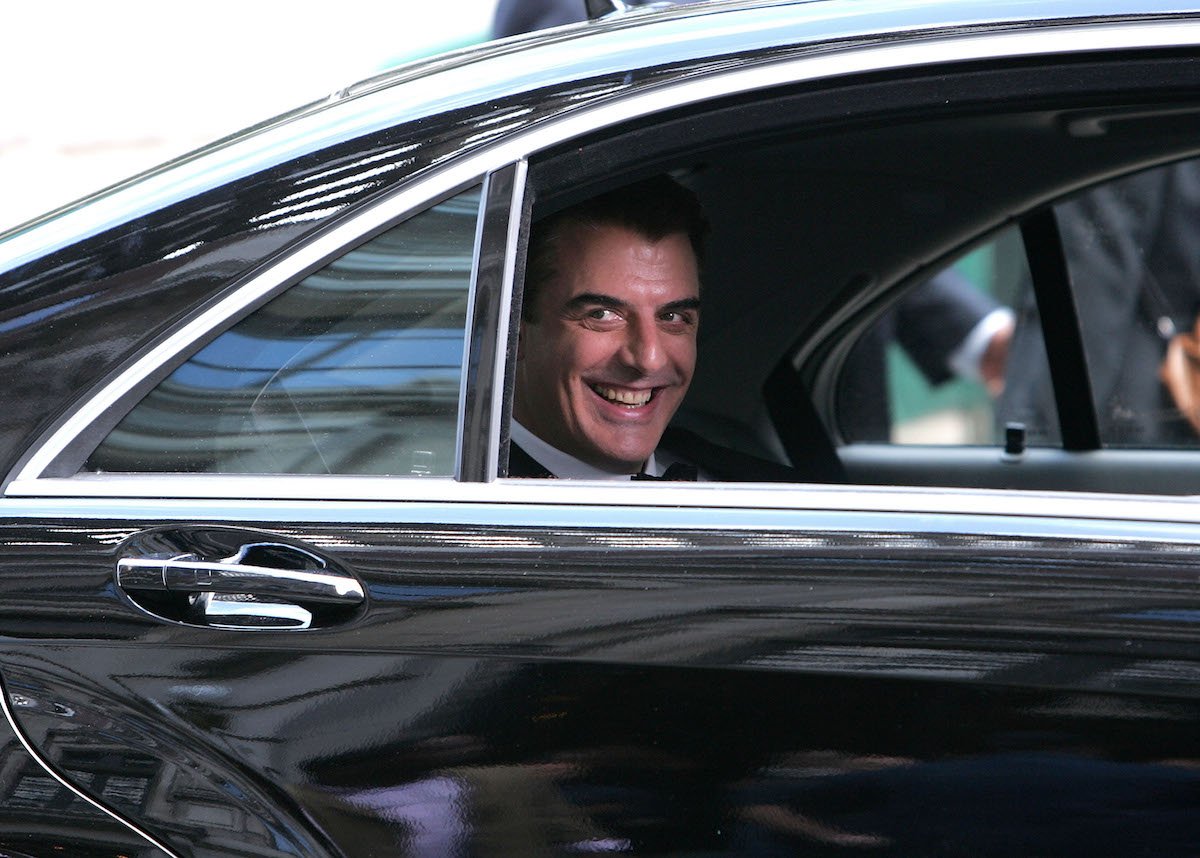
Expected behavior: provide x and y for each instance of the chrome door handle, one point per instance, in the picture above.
(229, 578)
(185, 573)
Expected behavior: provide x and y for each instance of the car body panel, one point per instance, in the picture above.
(42, 810)
(540, 667)
(1004, 656)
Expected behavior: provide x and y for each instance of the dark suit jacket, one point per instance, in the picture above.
(1133, 253)
(720, 462)
(525, 16)
(521, 464)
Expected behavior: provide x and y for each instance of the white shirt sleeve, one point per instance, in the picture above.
(964, 361)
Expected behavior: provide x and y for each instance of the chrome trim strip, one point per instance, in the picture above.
(297, 493)
(507, 287)
(464, 380)
(923, 51)
(50, 770)
(487, 339)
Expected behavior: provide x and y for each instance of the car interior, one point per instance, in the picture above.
(826, 206)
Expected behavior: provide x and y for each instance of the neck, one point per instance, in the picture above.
(563, 464)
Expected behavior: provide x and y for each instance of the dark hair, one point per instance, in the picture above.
(652, 208)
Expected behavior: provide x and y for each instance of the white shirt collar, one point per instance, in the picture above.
(564, 465)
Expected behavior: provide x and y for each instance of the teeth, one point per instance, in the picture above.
(624, 397)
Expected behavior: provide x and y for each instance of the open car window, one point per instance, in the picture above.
(1131, 260)
(354, 370)
(934, 367)
(810, 347)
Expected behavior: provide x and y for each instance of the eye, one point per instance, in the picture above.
(678, 319)
(601, 318)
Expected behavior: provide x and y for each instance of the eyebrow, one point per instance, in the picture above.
(683, 304)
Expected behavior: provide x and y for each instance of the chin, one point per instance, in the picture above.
(631, 462)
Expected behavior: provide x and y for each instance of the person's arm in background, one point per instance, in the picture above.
(949, 328)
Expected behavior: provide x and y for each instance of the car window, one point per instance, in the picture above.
(354, 370)
(1133, 266)
(934, 367)
(1133, 256)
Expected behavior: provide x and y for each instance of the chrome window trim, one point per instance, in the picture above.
(925, 51)
(508, 289)
(464, 381)
(487, 354)
(327, 497)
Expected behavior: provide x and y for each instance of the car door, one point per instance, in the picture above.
(645, 669)
(253, 648)
(353, 366)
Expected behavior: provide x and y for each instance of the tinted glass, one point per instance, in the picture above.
(1133, 252)
(355, 370)
(937, 367)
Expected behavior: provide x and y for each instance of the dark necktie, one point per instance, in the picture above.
(676, 471)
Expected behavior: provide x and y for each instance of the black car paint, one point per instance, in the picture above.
(39, 816)
(949, 686)
(1032, 706)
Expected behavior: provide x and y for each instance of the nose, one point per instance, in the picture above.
(644, 347)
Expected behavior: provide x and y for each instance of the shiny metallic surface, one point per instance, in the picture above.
(198, 576)
(209, 497)
(248, 612)
(43, 809)
(192, 801)
(1036, 666)
(487, 356)
(545, 668)
(287, 583)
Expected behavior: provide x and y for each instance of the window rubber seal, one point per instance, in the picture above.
(1064, 346)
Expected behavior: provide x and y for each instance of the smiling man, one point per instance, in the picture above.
(608, 333)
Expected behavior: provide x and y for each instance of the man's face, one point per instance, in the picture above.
(606, 364)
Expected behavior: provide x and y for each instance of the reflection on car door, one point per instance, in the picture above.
(658, 679)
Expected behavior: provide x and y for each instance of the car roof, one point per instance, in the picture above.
(661, 34)
(637, 40)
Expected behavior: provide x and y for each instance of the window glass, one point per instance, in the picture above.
(1133, 253)
(935, 368)
(354, 370)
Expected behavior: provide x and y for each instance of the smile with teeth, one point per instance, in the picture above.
(631, 398)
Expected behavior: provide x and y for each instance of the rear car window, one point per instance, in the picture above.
(354, 370)
(937, 366)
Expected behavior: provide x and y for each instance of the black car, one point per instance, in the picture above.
(266, 588)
